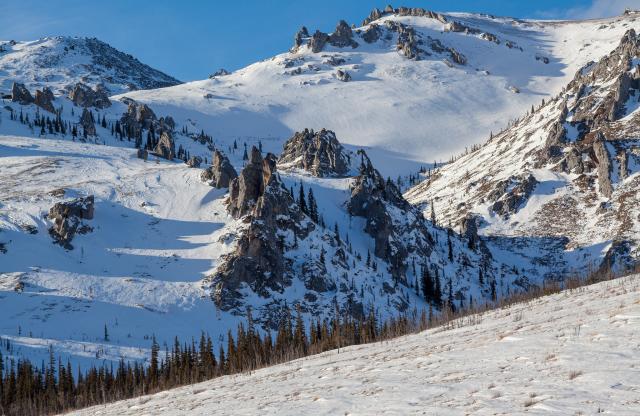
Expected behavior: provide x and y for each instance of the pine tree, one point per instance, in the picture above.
(302, 203)
(106, 333)
(312, 206)
(336, 231)
(428, 289)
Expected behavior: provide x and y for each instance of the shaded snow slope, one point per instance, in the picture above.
(407, 110)
(571, 353)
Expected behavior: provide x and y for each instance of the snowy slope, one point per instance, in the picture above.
(571, 353)
(60, 62)
(410, 112)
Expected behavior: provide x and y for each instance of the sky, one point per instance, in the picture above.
(192, 39)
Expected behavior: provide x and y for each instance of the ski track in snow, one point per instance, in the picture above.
(571, 353)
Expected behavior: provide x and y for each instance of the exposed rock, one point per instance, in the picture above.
(220, 173)
(194, 162)
(140, 116)
(299, 38)
(20, 94)
(372, 34)
(390, 219)
(318, 153)
(44, 99)
(334, 61)
(317, 41)
(219, 73)
(258, 261)
(82, 95)
(604, 166)
(88, 122)
(67, 218)
(166, 147)
(343, 76)
(573, 160)
(342, 36)
(510, 194)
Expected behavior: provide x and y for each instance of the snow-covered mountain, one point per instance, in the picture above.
(570, 353)
(459, 77)
(103, 226)
(60, 62)
(567, 171)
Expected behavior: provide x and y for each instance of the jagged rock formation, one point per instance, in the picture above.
(219, 73)
(319, 153)
(68, 219)
(141, 117)
(510, 194)
(342, 36)
(220, 173)
(395, 225)
(20, 94)
(44, 99)
(298, 39)
(88, 123)
(258, 262)
(403, 11)
(317, 41)
(372, 33)
(83, 96)
(166, 147)
(194, 162)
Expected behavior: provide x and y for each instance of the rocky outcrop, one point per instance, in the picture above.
(68, 219)
(342, 36)
(403, 11)
(88, 123)
(194, 162)
(258, 261)
(319, 153)
(166, 147)
(512, 193)
(604, 166)
(219, 73)
(220, 173)
(141, 117)
(44, 99)
(372, 33)
(396, 227)
(317, 41)
(83, 96)
(343, 76)
(20, 94)
(299, 38)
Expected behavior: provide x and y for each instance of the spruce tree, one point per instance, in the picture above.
(302, 203)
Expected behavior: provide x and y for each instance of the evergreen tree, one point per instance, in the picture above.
(302, 203)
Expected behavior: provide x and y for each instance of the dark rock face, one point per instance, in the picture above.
(220, 173)
(319, 153)
(219, 73)
(20, 94)
(258, 261)
(44, 99)
(403, 11)
(141, 116)
(510, 194)
(299, 38)
(82, 95)
(166, 147)
(396, 227)
(88, 122)
(67, 218)
(604, 166)
(372, 34)
(342, 36)
(317, 41)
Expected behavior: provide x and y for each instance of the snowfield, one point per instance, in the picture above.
(576, 352)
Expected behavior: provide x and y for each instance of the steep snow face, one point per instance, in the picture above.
(61, 62)
(569, 353)
(568, 170)
(407, 110)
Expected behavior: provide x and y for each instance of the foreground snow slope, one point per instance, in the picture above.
(571, 353)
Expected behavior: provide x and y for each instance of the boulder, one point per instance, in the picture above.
(319, 153)
(44, 99)
(68, 219)
(20, 94)
(372, 34)
(142, 154)
(343, 75)
(194, 162)
(220, 173)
